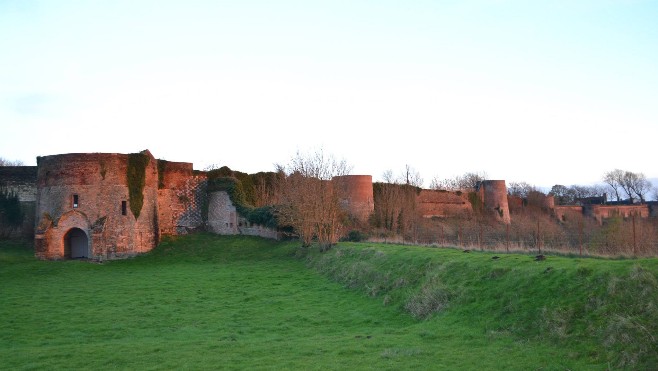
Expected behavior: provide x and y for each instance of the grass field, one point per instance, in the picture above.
(210, 302)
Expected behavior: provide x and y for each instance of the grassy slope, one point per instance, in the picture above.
(603, 311)
(227, 302)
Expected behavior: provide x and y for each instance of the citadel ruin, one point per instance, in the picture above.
(105, 206)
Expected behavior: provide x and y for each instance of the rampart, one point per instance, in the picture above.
(442, 204)
(182, 194)
(20, 181)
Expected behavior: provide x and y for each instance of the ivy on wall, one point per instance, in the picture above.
(162, 167)
(10, 209)
(234, 187)
(137, 163)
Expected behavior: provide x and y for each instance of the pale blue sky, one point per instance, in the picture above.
(545, 92)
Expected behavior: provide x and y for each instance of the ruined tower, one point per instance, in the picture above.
(494, 195)
(356, 195)
(99, 205)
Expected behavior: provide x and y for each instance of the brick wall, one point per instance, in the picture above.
(100, 183)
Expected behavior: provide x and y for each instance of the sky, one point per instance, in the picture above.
(545, 92)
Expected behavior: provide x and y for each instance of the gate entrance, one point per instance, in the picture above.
(76, 244)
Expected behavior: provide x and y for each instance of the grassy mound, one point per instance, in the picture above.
(602, 310)
(211, 302)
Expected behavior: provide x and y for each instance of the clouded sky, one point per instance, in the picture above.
(539, 91)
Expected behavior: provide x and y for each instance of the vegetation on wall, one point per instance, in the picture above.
(219, 181)
(10, 209)
(162, 167)
(476, 202)
(137, 163)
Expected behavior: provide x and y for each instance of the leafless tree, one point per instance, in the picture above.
(468, 181)
(308, 200)
(614, 180)
(520, 189)
(5, 162)
(636, 185)
(411, 177)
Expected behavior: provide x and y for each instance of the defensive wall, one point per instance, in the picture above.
(20, 181)
(111, 205)
(442, 204)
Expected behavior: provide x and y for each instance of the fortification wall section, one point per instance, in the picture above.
(181, 198)
(442, 204)
(600, 212)
(90, 192)
(222, 214)
(563, 212)
(356, 195)
(22, 182)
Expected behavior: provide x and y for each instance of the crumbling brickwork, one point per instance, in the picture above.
(442, 204)
(182, 195)
(89, 193)
(356, 194)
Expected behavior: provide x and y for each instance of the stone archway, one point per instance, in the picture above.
(76, 244)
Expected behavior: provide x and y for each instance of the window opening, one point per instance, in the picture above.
(124, 207)
(75, 201)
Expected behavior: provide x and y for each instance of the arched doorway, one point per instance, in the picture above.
(76, 244)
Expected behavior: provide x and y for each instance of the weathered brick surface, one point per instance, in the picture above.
(356, 194)
(181, 198)
(22, 182)
(439, 203)
(494, 195)
(100, 182)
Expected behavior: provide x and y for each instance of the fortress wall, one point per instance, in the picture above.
(356, 194)
(222, 215)
(101, 185)
(600, 212)
(181, 197)
(21, 181)
(439, 203)
(562, 211)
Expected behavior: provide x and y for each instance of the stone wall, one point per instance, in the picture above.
(222, 215)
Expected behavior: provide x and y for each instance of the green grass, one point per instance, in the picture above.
(210, 302)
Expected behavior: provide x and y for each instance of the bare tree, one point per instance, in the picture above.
(614, 180)
(520, 189)
(636, 185)
(5, 162)
(411, 177)
(308, 200)
(468, 181)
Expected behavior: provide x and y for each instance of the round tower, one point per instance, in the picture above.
(356, 195)
(495, 198)
(96, 205)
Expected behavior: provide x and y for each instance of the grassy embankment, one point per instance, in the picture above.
(212, 302)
